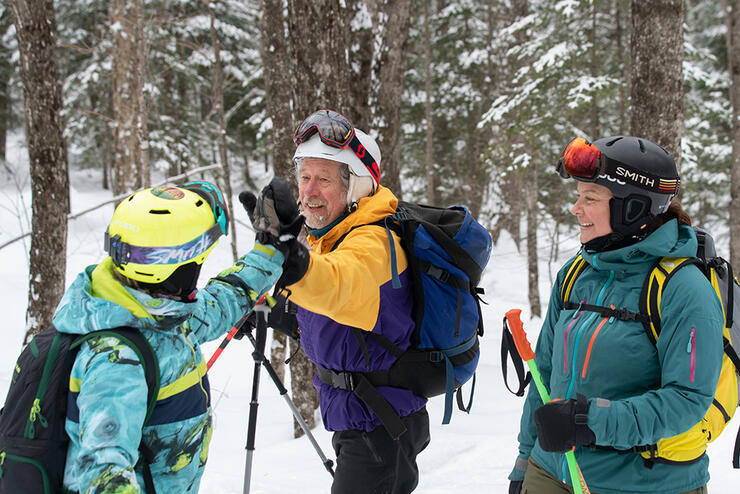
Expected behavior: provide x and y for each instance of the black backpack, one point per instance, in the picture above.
(447, 250)
(33, 442)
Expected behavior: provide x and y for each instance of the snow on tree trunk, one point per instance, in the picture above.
(36, 30)
(657, 74)
(131, 157)
(733, 45)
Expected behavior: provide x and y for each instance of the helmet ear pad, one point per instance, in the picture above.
(358, 188)
(628, 214)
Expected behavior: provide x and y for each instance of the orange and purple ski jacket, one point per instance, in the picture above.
(350, 287)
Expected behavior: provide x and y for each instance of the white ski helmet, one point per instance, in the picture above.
(361, 182)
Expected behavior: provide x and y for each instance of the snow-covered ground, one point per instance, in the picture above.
(473, 454)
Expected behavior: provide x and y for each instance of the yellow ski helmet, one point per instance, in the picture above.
(155, 231)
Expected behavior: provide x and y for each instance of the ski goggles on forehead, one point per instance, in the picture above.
(215, 200)
(335, 130)
(580, 159)
(584, 161)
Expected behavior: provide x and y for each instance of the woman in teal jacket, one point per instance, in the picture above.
(157, 240)
(617, 389)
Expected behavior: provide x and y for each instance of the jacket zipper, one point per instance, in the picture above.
(576, 315)
(591, 345)
(691, 348)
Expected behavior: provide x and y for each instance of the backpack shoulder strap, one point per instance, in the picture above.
(575, 269)
(140, 345)
(652, 291)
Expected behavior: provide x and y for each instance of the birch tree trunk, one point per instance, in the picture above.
(657, 74)
(131, 155)
(733, 50)
(35, 26)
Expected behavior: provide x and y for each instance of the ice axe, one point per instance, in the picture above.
(525, 352)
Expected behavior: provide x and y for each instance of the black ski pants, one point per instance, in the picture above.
(373, 463)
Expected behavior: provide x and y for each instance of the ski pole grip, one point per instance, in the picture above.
(520, 337)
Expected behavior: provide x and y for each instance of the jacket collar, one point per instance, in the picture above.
(369, 210)
(669, 240)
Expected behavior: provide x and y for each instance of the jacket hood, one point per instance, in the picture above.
(96, 300)
(669, 240)
(369, 210)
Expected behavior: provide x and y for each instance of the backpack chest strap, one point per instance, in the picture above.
(621, 314)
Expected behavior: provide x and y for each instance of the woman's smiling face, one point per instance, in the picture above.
(592, 210)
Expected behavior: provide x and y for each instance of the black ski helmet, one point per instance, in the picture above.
(641, 175)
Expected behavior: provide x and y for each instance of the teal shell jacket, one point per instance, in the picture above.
(638, 392)
(108, 391)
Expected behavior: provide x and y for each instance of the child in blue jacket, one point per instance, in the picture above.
(157, 241)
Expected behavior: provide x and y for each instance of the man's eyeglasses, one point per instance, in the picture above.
(337, 131)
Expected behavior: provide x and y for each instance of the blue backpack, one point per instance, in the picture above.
(447, 250)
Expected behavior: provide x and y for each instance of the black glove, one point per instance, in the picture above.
(282, 318)
(563, 424)
(276, 221)
(274, 214)
(515, 486)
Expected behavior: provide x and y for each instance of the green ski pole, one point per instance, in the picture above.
(525, 352)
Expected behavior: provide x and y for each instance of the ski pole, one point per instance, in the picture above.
(526, 353)
(230, 335)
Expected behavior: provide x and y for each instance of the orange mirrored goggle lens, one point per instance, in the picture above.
(580, 159)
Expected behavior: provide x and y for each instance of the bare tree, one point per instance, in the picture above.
(732, 9)
(319, 40)
(131, 156)
(217, 95)
(657, 74)
(390, 69)
(276, 69)
(277, 76)
(5, 71)
(35, 27)
(429, 151)
(318, 43)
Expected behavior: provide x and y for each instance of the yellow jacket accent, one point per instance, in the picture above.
(344, 284)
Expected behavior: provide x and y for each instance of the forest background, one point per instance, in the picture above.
(471, 101)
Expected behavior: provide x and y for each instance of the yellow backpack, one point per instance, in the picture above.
(690, 445)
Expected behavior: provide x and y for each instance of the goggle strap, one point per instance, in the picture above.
(122, 253)
(367, 159)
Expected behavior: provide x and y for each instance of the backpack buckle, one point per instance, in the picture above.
(343, 380)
